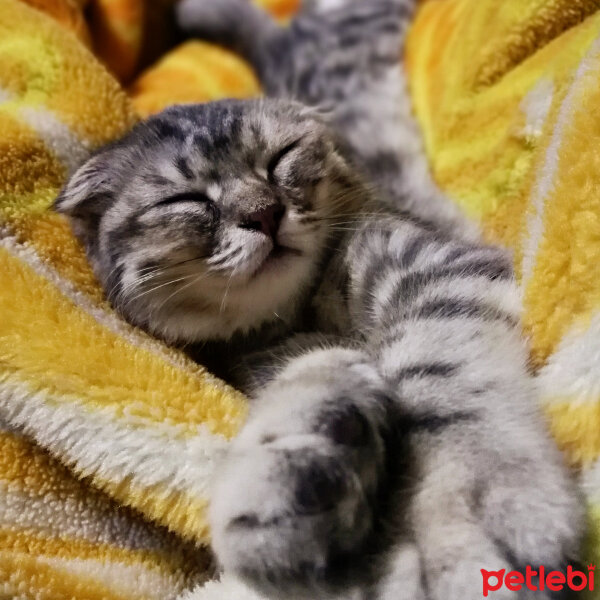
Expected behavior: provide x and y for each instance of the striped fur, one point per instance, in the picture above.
(408, 439)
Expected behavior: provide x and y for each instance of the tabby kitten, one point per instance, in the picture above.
(394, 448)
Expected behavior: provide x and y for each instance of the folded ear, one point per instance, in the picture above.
(87, 196)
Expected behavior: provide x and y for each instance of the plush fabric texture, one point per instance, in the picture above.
(193, 72)
(507, 96)
(108, 440)
(199, 72)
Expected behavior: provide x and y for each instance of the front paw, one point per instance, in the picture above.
(298, 488)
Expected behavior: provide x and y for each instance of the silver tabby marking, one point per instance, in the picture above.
(394, 447)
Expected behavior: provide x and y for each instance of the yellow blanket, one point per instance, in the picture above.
(108, 440)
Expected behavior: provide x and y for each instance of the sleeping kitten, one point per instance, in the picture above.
(394, 447)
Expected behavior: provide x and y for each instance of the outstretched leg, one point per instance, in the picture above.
(490, 490)
(239, 25)
(298, 495)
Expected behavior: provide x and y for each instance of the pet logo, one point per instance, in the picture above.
(554, 581)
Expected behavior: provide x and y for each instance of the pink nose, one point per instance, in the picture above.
(266, 219)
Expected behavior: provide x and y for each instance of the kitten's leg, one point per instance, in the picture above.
(490, 490)
(299, 488)
(236, 24)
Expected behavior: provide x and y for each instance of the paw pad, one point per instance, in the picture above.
(349, 428)
(319, 489)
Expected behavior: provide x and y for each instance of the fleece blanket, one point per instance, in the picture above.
(108, 439)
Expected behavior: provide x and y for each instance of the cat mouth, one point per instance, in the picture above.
(277, 255)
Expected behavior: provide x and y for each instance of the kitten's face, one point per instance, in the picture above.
(211, 219)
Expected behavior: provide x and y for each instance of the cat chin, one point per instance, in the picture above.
(279, 258)
(272, 293)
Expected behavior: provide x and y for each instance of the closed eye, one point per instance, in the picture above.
(276, 158)
(184, 197)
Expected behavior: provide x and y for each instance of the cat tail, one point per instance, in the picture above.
(238, 25)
